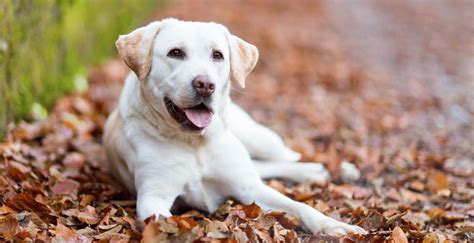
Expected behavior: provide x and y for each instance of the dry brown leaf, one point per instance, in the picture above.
(17, 170)
(434, 237)
(374, 220)
(252, 210)
(88, 216)
(410, 197)
(25, 201)
(398, 235)
(66, 187)
(107, 235)
(417, 218)
(86, 200)
(65, 234)
(4, 209)
(74, 161)
(436, 213)
(417, 186)
(8, 227)
(283, 219)
(437, 180)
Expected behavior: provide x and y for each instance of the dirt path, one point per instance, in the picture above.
(386, 86)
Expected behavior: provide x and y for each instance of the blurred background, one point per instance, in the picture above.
(385, 85)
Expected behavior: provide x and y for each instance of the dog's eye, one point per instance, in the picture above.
(217, 55)
(176, 53)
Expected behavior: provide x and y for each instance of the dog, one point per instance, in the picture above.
(176, 132)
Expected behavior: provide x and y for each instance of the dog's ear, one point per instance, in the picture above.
(136, 48)
(243, 57)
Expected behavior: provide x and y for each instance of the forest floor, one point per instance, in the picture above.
(385, 85)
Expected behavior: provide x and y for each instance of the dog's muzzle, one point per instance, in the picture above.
(194, 118)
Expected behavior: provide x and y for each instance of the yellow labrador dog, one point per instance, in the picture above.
(176, 132)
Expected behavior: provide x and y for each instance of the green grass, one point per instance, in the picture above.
(45, 44)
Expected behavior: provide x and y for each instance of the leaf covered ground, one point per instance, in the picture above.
(336, 84)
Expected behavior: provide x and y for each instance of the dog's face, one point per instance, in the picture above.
(185, 68)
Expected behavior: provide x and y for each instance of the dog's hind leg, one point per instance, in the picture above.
(312, 220)
(296, 172)
(261, 142)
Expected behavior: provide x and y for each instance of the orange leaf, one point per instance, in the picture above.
(437, 181)
(398, 235)
(252, 211)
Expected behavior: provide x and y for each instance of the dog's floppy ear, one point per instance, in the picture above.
(243, 57)
(136, 48)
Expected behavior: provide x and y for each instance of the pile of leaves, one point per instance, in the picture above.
(411, 141)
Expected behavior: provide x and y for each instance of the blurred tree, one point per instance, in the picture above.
(45, 45)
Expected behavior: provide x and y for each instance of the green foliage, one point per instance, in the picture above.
(46, 44)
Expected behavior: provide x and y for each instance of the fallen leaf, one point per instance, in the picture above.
(86, 200)
(411, 197)
(4, 209)
(66, 187)
(18, 170)
(65, 234)
(374, 220)
(437, 180)
(88, 216)
(398, 235)
(436, 213)
(419, 218)
(252, 210)
(109, 234)
(8, 227)
(434, 237)
(283, 220)
(25, 201)
(417, 186)
(74, 161)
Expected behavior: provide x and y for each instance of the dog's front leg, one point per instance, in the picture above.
(311, 219)
(161, 173)
(155, 194)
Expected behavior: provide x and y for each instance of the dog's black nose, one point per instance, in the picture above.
(203, 86)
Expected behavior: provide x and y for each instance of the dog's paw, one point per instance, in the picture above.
(349, 172)
(292, 156)
(321, 224)
(284, 154)
(341, 229)
(312, 172)
(148, 206)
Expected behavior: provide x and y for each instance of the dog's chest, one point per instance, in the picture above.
(203, 191)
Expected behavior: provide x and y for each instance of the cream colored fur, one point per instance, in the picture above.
(159, 161)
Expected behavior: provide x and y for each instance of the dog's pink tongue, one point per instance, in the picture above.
(199, 117)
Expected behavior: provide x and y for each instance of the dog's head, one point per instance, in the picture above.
(185, 68)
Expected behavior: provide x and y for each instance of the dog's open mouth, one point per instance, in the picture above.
(193, 118)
